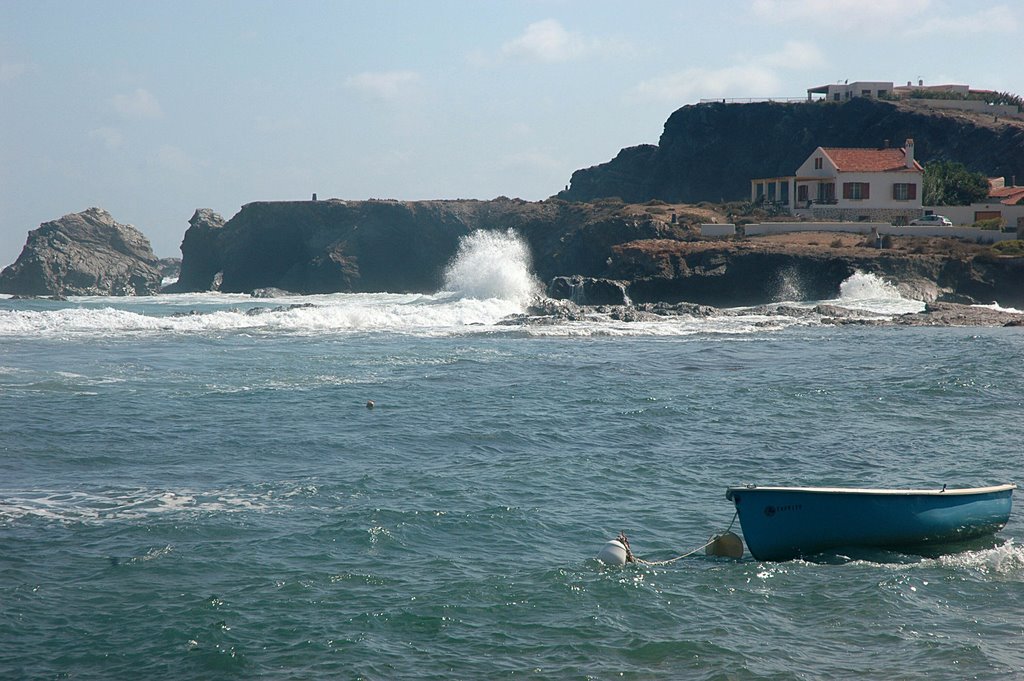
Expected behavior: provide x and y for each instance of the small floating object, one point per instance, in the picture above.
(726, 545)
(613, 553)
(370, 404)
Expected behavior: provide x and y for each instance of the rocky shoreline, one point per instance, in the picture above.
(624, 262)
(549, 311)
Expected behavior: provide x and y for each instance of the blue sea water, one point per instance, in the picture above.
(191, 489)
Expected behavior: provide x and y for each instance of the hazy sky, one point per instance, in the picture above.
(151, 109)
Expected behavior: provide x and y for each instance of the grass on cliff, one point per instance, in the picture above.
(1014, 247)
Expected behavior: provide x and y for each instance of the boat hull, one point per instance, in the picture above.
(782, 523)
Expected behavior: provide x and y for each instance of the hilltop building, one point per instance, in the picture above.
(945, 96)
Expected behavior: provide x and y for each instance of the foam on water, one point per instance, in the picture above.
(488, 280)
(871, 293)
(492, 265)
(118, 505)
(999, 308)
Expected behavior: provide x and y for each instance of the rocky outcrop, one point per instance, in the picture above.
(589, 290)
(710, 152)
(84, 254)
(728, 274)
(365, 246)
(604, 252)
(199, 270)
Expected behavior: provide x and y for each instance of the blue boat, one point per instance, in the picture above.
(782, 523)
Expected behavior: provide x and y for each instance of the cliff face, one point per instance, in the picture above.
(364, 246)
(710, 152)
(733, 274)
(86, 253)
(367, 246)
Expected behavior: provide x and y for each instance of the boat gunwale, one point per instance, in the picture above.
(962, 491)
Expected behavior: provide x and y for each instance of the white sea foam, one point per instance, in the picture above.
(869, 292)
(492, 265)
(118, 505)
(488, 280)
(999, 308)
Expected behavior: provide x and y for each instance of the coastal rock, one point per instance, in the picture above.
(588, 290)
(84, 254)
(953, 314)
(199, 270)
(400, 246)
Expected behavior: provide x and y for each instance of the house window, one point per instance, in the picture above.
(801, 192)
(865, 93)
(826, 192)
(817, 163)
(904, 191)
(784, 192)
(836, 96)
(856, 190)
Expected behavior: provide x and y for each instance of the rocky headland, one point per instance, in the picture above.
(710, 152)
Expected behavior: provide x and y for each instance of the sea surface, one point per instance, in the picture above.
(193, 487)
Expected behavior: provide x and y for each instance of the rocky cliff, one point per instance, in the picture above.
(86, 253)
(599, 252)
(710, 152)
(361, 246)
(730, 274)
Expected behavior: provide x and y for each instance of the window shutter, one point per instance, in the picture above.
(847, 190)
(865, 190)
(911, 191)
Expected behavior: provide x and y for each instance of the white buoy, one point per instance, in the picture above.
(613, 553)
(727, 545)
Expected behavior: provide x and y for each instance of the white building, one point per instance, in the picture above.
(881, 185)
(841, 92)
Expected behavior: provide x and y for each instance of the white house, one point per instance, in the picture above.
(1005, 203)
(866, 185)
(841, 92)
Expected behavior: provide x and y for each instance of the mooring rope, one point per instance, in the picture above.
(630, 558)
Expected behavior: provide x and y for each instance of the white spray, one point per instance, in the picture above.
(492, 265)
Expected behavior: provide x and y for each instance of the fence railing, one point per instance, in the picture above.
(752, 100)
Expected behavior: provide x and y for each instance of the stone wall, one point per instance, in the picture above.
(886, 215)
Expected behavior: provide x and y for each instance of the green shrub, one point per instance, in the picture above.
(994, 224)
(1012, 247)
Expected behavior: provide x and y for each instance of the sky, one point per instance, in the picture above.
(153, 109)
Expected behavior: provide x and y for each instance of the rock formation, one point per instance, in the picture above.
(728, 274)
(203, 263)
(85, 253)
(364, 246)
(710, 152)
(598, 253)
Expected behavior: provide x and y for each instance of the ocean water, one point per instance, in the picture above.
(192, 486)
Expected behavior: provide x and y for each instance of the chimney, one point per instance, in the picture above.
(908, 150)
(885, 144)
(920, 83)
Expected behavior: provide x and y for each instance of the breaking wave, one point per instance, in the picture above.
(869, 292)
(492, 265)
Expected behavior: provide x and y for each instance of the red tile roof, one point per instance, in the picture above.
(869, 160)
(1010, 196)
